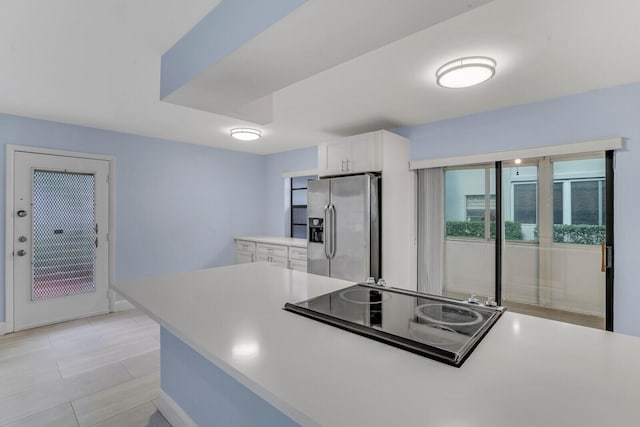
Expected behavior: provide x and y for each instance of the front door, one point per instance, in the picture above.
(60, 250)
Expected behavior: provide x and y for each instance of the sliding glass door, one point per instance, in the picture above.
(552, 254)
(469, 238)
(554, 226)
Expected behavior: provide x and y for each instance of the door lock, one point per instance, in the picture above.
(22, 213)
(21, 252)
(22, 239)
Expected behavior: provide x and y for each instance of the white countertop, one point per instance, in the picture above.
(526, 372)
(286, 241)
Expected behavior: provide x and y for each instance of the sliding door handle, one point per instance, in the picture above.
(606, 257)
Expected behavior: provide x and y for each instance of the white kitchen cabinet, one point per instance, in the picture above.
(354, 154)
(298, 265)
(280, 251)
(298, 258)
(272, 250)
(244, 257)
(245, 251)
(275, 260)
(386, 153)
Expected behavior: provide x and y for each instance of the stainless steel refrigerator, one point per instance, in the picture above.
(343, 216)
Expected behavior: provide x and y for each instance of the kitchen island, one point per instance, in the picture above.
(231, 356)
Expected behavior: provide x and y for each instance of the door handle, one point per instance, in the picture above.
(606, 257)
(21, 213)
(327, 236)
(332, 210)
(343, 166)
(21, 252)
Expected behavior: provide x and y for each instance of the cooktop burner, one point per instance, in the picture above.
(448, 314)
(436, 327)
(365, 296)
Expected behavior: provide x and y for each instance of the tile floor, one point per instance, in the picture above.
(101, 371)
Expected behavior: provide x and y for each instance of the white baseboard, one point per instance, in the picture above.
(122, 305)
(3, 328)
(173, 412)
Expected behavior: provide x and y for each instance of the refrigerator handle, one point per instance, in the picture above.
(332, 208)
(326, 244)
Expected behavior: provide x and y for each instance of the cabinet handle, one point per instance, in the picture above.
(348, 167)
(343, 166)
(252, 257)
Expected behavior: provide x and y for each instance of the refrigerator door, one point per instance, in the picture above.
(318, 198)
(351, 239)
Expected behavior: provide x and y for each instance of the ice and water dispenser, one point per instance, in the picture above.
(316, 230)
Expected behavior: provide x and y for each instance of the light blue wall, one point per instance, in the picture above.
(178, 206)
(593, 115)
(216, 36)
(209, 395)
(276, 164)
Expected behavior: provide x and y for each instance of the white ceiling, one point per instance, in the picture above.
(315, 37)
(98, 64)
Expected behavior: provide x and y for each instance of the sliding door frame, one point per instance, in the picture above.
(499, 242)
(609, 206)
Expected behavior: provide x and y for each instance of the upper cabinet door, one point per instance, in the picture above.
(355, 154)
(337, 155)
(365, 153)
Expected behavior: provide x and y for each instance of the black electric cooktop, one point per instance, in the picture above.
(440, 328)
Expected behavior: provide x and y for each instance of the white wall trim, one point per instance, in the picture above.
(8, 240)
(524, 153)
(294, 174)
(173, 412)
(3, 328)
(10, 151)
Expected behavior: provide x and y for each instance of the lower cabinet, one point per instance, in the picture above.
(245, 251)
(295, 264)
(275, 260)
(244, 257)
(281, 255)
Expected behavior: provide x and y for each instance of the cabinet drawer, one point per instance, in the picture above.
(297, 253)
(275, 250)
(298, 265)
(245, 246)
(274, 260)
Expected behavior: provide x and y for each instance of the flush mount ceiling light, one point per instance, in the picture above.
(465, 72)
(245, 134)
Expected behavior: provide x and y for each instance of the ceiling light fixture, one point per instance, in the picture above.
(245, 134)
(465, 72)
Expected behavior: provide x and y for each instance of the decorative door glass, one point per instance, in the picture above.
(64, 234)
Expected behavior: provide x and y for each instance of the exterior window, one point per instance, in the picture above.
(470, 202)
(476, 207)
(587, 203)
(579, 202)
(557, 202)
(520, 202)
(299, 206)
(525, 203)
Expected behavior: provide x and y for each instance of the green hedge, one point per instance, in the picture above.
(562, 233)
(512, 230)
(579, 234)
